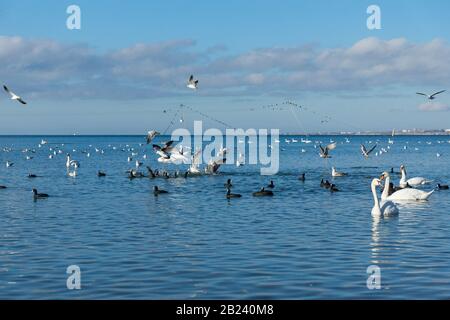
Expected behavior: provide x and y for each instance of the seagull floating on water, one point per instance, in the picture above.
(335, 173)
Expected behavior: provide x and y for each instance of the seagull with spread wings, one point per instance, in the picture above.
(163, 151)
(324, 152)
(431, 96)
(192, 83)
(13, 95)
(213, 165)
(151, 135)
(195, 162)
(366, 152)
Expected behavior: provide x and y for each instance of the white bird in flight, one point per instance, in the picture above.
(13, 95)
(192, 83)
(151, 135)
(431, 96)
(324, 151)
(366, 152)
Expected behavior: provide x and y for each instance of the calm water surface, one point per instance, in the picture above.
(304, 243)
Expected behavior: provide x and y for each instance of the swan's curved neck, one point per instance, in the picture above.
(385, 193)
(403, 179)
(375, 199)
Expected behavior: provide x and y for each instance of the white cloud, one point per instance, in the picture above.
(434, 107)
(45, 68)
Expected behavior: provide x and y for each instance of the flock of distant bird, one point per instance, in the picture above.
(405, 191)
(169, 154)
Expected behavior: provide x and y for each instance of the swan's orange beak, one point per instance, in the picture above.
(382, 177)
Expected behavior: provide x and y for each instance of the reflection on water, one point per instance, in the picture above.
(304, 242)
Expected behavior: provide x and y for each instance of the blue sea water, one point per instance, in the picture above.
(193, 243)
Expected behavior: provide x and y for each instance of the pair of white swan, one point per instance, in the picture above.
(413, 182)
(386, 208)
(407, 194)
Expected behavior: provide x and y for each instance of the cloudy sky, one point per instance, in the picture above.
(124, 72)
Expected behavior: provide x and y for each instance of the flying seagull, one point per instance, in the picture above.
(324, 151)
(192, 84)
(364, 151)
(432, 96)
(214, 164)
(151, 135)
(163, 151)
(13, 95)
(195, 162)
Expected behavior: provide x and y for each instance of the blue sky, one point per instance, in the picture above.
(129, 62)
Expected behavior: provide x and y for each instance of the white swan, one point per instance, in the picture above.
(387, 208)
(68, 161)
(407, 194)
(413, 182)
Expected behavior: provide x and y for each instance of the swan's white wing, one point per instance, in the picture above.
(388, 208)
(416, 181)
(410, 194)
